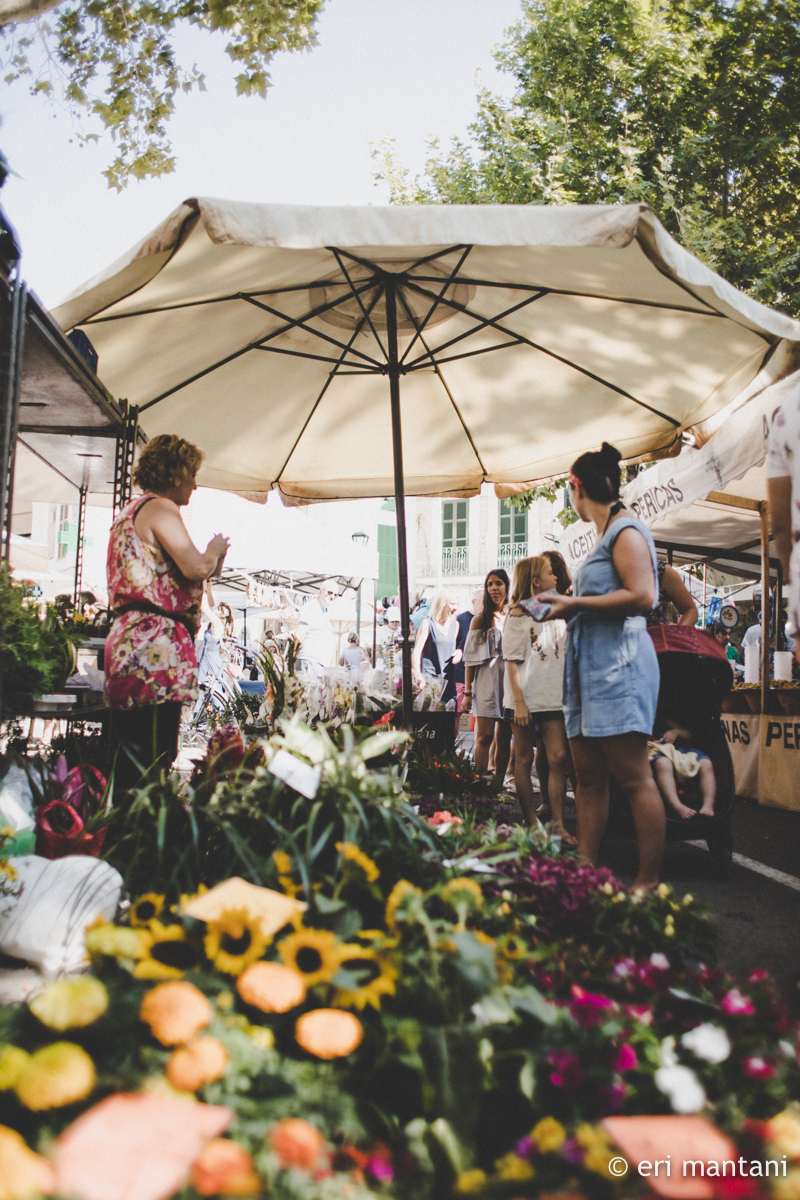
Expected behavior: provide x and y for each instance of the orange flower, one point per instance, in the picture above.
(224, 1168)
(328, 1032)
(23, 1174)
(271, 987)
(175, 1012)
(201, 1062)
(297, 1143)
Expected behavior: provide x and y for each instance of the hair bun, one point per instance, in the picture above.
(610, 454)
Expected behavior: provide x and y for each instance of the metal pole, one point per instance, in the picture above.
(399, 492)
(13, 338)
(358, 612)
(76, 598)
(763, 509)
(374, 621)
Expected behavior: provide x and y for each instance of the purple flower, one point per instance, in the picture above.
(612, 1096)
(567, 1071)
(527, 1148)
(573, 1151)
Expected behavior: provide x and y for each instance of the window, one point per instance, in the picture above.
(66, 532)
(454, 524)
(513, 525)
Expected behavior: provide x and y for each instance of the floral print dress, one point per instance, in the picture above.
(149, 658)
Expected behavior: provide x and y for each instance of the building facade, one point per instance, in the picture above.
(455, 543)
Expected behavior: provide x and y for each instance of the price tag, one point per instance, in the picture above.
(296, 773)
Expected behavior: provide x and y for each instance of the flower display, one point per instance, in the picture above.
(164, 952)
(373, 977)
(351, 853)
(315, 954)
(70, 1003)
(146, 909)
(234, 939)
(175, 1012)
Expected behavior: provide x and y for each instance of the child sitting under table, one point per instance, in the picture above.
(676, 766)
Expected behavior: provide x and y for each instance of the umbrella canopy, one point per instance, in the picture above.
(281, 339)
(525, 335)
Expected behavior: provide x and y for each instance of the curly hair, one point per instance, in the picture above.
(164, 460)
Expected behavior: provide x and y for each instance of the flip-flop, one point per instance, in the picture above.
(568, 840)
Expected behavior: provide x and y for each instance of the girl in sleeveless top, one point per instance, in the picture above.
(612, 678)
(435, 646)
(155, 583)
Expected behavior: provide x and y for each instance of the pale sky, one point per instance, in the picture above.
(403, 69)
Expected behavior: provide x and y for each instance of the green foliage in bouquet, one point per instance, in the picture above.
(35, 656)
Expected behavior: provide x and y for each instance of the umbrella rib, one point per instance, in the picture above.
(325, 386)
(434, 306)
(551, 354)
(357, 295)
(365, 262)
(443, 382)
(482, 325)
(422, 364)
(358, 368)
(300, 323)
(524, 287)
(146, 312)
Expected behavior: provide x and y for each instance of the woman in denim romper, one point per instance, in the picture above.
(611, 678)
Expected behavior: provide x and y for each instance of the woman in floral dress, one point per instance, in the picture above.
(155, 586)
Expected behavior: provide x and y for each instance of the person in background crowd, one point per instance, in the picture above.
(783, 492)
(314, 631)
(561, 571)
(420, 610)
(672, 591)
(352, 656)
(563, 587)
(155, 586)
(724, 638)
(484, 675)
(435, 645)
(534, 655)
(752, 635)
(611, 680)
(390, 638)
(465, 620)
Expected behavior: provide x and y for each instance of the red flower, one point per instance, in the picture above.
(735, 1004)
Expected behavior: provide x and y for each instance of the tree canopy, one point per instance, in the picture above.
(115, 59)
(690, 106)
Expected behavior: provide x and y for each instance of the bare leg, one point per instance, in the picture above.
(627, 759)
(492, 753)
(555, 744)
(502, 743)
(664, 774)
(708, 787)
(484, 733)
(523, 741)
(591, 795)
(512, 758)
(543, 771)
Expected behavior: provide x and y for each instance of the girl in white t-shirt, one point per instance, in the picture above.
(534, 654)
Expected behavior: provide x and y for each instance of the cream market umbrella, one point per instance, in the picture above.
(335, 352)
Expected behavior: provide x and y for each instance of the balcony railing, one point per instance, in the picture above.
(455, 561)
(509, 554)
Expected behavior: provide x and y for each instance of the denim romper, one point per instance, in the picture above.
(611, 674)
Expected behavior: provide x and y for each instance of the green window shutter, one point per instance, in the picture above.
(513, 525)
(388, 577)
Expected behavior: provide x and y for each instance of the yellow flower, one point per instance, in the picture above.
(146, 909)
(688, 899)
(166, 953)
(376, 974)
(314, 953)
(11, 873)
(282, 862)
(549, 1135)
(23, 1174)
(597, 1161)
(13, 1061)
(511, 1166)
(591, 1137)
(272, 909)
(783, 1132)
(401, 891)
(608, 888)
(115, 941)
(463, 886)
(511, 946)
(663, 890)
(261, 1036)
(787, 1187)
(234, 940)
(350, 852)
(70, 1003)
(58, 1074)
(470, 1182)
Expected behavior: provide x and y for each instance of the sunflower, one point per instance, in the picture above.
(511, 946)
(401, 891)
(315, 953)
(234, 940)
(167, 955)
(374, 976)
(146, 909)
(351, 853)
(465, 887)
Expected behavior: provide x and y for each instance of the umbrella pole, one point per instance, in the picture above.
(399, 494)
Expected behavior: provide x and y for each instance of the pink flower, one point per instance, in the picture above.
(626, 1058)
(640, 1012)
(623, 968)
(757, 1067)
(381, 1169)
(736, 1005)
(588, 1008)
(568, 1072)
(440, 818)
(758, 976)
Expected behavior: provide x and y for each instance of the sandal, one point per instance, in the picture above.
(544, 812)
(569, 841)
